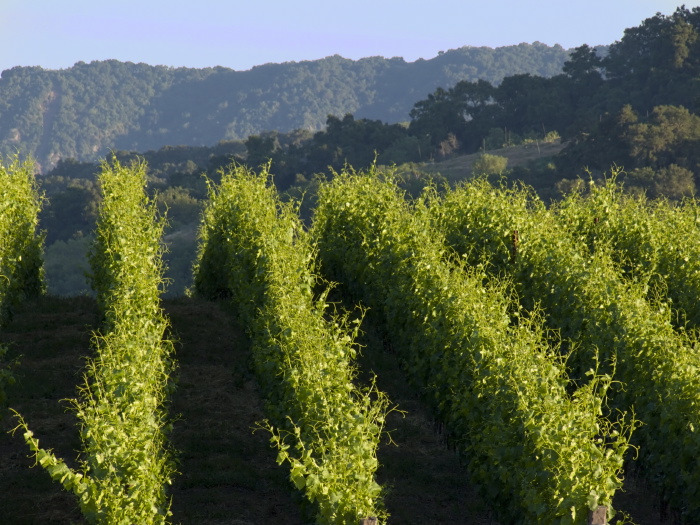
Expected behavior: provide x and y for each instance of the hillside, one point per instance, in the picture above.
(460, 167)
(633, 106)
(89, 109)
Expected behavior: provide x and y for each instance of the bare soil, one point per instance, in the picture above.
(227, 472)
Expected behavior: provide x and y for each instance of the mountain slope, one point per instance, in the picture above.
(84, 111)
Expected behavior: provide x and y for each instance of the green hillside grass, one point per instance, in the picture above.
(460, 167)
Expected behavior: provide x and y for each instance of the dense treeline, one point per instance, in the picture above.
(616, 104)
(606, 111)
(633, 104)
(86, 110)
(659, 150)
(636, 106)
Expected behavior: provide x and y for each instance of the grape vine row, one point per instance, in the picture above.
(126, 463)
(254, 251)
(598, 312)
(21, 264)
(540, 455)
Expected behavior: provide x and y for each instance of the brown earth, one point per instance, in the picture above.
(228, 473)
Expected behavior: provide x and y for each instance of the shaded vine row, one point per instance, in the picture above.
(125, 463)
(600, 314)
(21, 246)
(539, 454)
(254, 251)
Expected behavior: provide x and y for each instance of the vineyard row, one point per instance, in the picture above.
(556, 343)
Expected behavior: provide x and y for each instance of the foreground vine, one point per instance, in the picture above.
(125, 465)
(254, 251)
(540, 455)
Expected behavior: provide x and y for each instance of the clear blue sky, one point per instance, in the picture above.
(57, 33)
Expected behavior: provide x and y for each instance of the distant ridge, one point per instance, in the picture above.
(89, 109)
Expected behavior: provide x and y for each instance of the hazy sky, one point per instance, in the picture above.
(57, 33)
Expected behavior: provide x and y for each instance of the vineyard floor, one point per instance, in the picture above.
(228, 474)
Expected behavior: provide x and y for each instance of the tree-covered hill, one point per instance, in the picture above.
(635, 106)
(84, 111)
